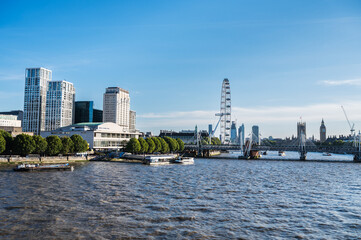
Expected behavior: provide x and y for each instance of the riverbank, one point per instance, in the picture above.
(57, 159)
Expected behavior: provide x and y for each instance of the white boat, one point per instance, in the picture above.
(281, 153)
(157, 160)
(326, 154)
(183, 160)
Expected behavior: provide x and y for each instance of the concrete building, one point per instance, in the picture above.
(132, 120)
(255, 132)
(18, 113)
(233, 132)
(84, 112)
(9, 121)
(36, 83)
(60, 100)
(100, 136)
(12, 125)
(116, 106)
(322, 132)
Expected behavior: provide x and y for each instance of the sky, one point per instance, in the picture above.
(284, 59)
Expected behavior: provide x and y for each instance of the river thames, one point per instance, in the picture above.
(221, 199)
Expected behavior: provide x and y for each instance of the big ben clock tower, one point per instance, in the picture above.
(322, 132)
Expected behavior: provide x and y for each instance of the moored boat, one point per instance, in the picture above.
(281, 153)
(183, 160)
(326, 154)
(157, 160)
(37, 167)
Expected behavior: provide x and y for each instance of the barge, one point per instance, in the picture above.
(37, 167)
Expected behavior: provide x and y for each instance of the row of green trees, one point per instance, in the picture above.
(155, 144)
(52, 145)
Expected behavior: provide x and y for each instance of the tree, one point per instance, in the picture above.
(54, 145)
(80, 145)
(143, 145)
(2, 144)
(8, 139)
(204, 142)
(165, 146)
(23, 144)
(40, 144)
(172, 143)
(180, 144)
(133, 146)
(67, 145)
(151, 145)
(158, 145)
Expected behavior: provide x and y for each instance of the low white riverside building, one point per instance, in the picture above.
(9, 121)
(100, 136)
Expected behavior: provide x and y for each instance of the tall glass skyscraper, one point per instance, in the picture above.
(233, 132)
(255, 131)
(241, 134)
(36, 83)
(59, 105)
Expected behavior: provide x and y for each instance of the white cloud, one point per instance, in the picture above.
(350, 82)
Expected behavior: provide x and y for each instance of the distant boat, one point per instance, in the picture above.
(183, 160)
(281, 153)
(264, 153)
(157, 160)
(37, 167)
(326, 154)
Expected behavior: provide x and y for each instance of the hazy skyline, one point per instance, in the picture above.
(284, 59)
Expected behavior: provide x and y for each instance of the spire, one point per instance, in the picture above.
(322, 121)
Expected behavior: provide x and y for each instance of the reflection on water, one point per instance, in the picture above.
(211, 199)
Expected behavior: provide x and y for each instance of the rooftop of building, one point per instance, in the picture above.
(115, 90)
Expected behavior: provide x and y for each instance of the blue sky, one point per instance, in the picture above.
(284, 59)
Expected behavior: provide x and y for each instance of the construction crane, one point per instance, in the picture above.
(352, 127)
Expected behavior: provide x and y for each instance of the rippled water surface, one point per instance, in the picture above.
(220, 199)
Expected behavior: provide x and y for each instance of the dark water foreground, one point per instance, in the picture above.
(211, 199)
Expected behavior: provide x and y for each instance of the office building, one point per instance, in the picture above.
(241, 134)
(322, 132)
(233, 132)
(210, 129)
(116, 106)
(100, 136)
(255, 134)
(132, 120)
(36, 83)
(59, 105)
(97, 115)
(85, 113)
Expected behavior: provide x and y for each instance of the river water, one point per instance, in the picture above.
(212, 199)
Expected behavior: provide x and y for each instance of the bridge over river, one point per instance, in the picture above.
(206, 150)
